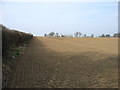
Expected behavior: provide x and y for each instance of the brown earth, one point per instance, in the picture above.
(56, 62)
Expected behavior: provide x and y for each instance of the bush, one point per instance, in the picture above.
(12, 38)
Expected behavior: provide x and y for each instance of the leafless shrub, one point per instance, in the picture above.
(11, 38)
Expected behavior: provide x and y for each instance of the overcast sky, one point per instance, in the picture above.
(39, 18)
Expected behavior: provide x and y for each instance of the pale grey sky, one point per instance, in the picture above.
(39, 18)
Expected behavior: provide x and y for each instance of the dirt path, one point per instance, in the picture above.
(60, 63)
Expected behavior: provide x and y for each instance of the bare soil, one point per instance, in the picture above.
(56, 62)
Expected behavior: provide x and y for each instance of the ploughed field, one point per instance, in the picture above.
(68, 62)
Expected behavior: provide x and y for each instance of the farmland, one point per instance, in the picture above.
(68, 62)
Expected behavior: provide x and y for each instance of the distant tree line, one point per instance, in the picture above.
(108, 35)
(53, 34)
(79, 34)
(116, 35)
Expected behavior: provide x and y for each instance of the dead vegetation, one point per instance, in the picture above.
(13, 38)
